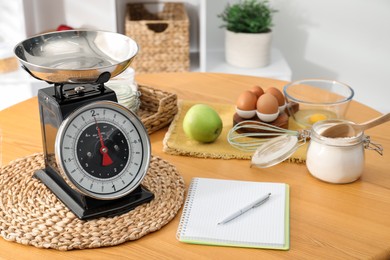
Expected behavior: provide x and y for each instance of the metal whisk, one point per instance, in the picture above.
(244, 140)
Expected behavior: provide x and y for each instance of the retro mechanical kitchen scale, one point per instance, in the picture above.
(96, 151)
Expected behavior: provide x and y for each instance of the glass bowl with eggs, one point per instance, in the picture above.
(318, 99)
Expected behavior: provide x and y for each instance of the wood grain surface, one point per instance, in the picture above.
(327, 221)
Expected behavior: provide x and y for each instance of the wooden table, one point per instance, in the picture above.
(327, 221)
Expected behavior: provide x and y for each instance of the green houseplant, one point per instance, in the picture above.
(248, 16)
(250, 21)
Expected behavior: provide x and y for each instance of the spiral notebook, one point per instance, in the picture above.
(211, 200)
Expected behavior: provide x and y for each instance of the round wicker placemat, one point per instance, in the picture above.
(31, 214)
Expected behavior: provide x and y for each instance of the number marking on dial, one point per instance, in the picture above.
(104, 144)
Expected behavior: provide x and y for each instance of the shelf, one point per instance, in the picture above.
(205, 32)
(206, 35)
(194, 62)
(277, 69)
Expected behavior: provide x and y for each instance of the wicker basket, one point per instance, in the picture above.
(157, 108)
(163, 37)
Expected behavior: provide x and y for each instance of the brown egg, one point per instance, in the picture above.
(276, 93)
(267, 104)
(257, 90)
(246, 101)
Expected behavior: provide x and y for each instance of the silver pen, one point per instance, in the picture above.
(238, 213)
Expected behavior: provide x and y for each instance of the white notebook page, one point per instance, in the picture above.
(212, 200)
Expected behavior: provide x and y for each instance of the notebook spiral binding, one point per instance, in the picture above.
(187, 207)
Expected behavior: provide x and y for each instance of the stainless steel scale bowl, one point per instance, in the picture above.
(76, 56)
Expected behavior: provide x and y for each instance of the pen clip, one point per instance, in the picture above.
(261, 202)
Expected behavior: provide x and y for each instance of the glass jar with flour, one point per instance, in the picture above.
(337, 159)
(330, 159)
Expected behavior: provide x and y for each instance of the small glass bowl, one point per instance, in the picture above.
(318, 99)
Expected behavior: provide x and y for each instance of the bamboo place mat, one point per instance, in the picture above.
(30, 214)
(177, 143)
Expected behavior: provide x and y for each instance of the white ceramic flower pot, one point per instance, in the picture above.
(247, 50)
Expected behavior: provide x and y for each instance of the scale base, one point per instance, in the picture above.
(86, 207)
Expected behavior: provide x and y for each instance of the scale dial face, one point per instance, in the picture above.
(103, 150)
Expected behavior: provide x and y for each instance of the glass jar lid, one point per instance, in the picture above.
(275, 151)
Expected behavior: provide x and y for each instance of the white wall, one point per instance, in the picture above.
(12, 25)
(345, 40)
(46, 15)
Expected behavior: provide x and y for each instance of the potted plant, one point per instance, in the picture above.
(248, 33)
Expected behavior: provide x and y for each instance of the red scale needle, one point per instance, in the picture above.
(103, 149)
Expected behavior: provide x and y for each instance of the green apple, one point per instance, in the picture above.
(202, 123)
